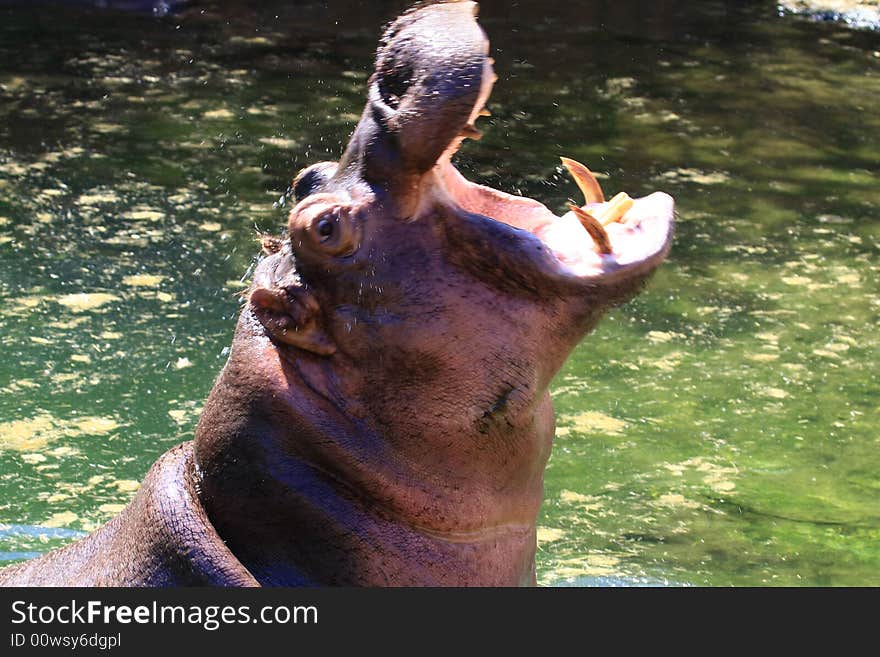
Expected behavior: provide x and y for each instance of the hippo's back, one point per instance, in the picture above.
(162, 538)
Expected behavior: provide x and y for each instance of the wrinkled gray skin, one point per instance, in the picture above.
(384, 416)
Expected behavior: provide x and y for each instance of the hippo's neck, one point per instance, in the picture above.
(303, 493)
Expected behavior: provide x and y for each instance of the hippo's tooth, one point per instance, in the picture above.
(616, 208)
(594, 228)
(485, 112)
(470, 131)
(585, 180)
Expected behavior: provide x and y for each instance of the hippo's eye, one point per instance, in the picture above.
(325, 229)
(335, 230)
(326, 224)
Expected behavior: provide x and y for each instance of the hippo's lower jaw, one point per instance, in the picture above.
(636, 243)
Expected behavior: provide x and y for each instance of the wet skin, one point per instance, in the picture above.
(384, 415)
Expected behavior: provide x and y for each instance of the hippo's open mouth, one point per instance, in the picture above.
(589, 241)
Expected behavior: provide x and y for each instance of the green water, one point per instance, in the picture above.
(720, 429)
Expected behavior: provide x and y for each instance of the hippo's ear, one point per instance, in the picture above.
(291, 316)
(431, 79)
(312, 179)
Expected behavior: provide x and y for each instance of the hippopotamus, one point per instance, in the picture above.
(384, 416)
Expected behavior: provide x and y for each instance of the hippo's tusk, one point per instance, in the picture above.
(585, 180)
(594, 228)
(485, 112)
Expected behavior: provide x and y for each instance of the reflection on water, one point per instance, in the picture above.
(720, 429)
